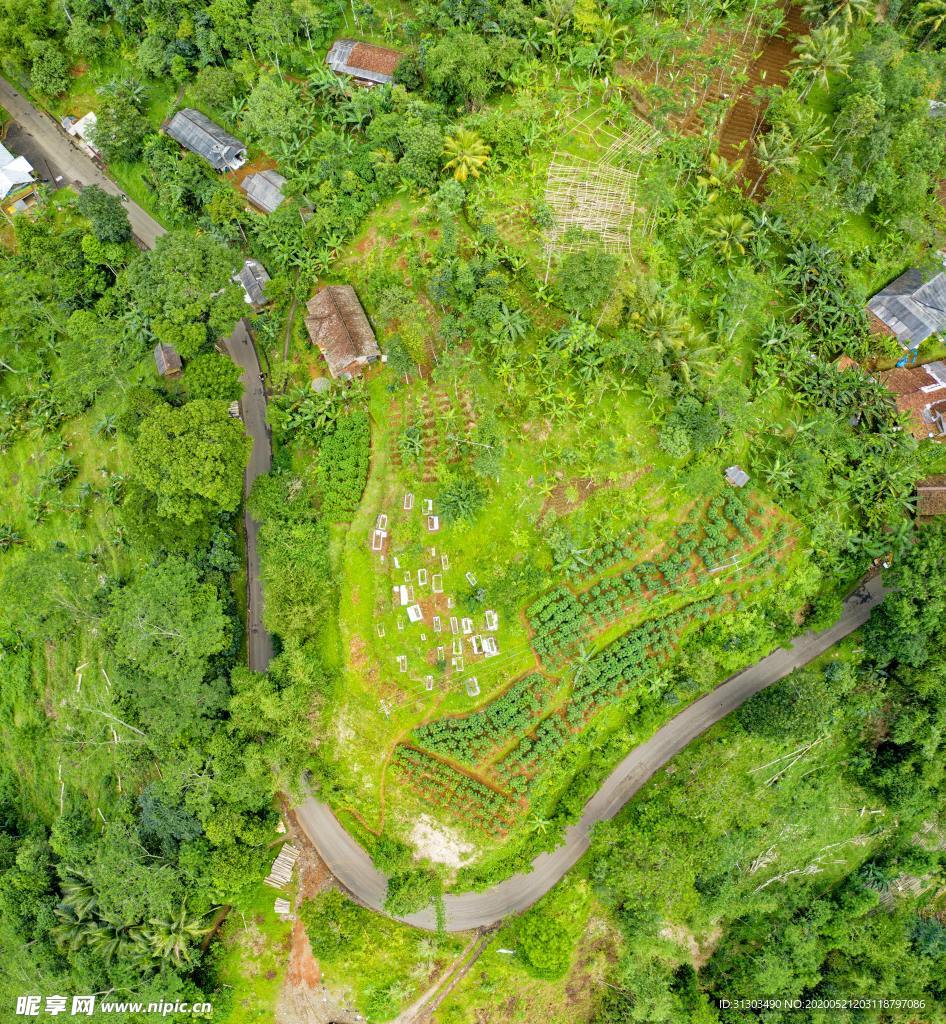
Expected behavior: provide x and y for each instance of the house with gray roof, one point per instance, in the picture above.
(252, 278)
(365, 63)
(264, 189)
(911, 308)
(196, 132)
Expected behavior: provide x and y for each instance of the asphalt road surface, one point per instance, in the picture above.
(63, 153)
(240, 348)
(354, 869)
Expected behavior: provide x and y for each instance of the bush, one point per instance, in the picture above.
(211, 375)
(460, 498)
(411, 890)
(332, 923)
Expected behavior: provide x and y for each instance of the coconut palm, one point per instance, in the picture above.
(821, 54)
(466, 154)
(731, 233)
(931, 16)
(774, 154)
(170, 937)
(719, 175)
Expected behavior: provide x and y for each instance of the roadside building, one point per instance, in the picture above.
(337, 325)
(920, 394)
(911, 308)
(16, 175)
(252, 278)
(167, 360)
(264, 189)
(196, 132)
(82, 129)
(365, 63)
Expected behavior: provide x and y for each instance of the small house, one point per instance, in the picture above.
(415, 613)
(83, 131)
(337, 325)
(167, 360)
(911, 308)
(196, 132)
(367, 64)
(252, 278)
(16, 173)
(736, 477)
(264, 189)
(920, 394)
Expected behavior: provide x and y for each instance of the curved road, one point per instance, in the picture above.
(354, 869)
(349, 862)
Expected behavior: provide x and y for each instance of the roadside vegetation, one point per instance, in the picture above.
(565, 383)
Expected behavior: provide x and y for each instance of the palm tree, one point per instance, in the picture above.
(821, 54)
(170, 937)
(720, 175)
(774, 154)
(731, 232)
(932, 16)
(466, 154)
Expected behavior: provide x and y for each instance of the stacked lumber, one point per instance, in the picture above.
(281, 871)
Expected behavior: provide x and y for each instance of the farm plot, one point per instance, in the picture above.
(687, 73)
(515, 740)
(599, 194)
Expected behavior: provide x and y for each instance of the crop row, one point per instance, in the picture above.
(520, 764)
(442, 785)
(468, 738)
(629, 660)
(558, 624)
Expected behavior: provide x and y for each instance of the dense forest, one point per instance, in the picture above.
(569, 404)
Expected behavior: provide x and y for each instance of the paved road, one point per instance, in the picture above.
(64, 154)
(240, 348)
(354, 869)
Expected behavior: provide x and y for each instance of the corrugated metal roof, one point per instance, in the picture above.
(200, 135)
(264, 189)
(912, 307)
(363, 61)
(252, 277)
